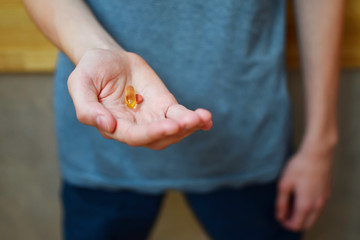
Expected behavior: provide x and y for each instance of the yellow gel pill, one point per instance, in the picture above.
(130, 97)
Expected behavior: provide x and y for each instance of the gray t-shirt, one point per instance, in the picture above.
(223, 55)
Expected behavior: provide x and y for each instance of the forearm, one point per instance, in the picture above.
(319, 28)
(70, 25)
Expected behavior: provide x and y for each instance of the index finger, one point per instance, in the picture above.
(303, 208)
(283, 201)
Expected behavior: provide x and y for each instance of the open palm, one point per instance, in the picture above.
(97, 87)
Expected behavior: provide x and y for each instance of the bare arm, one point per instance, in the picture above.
(308, 174)
(70, 25)
(320, 27)
(103, 70)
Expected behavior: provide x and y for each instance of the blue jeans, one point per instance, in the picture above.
(246, 213)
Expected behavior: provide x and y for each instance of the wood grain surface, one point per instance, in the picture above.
(350, 57)
(24, 49)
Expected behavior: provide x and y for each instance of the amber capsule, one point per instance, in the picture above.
(130, 96)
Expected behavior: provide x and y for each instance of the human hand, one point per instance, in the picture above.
(97, 87)
(303, 189)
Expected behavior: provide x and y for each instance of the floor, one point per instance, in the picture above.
(29, 179)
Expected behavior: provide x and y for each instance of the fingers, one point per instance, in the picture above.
(311, 218)
(205, 124)
(143, 134)
(200, 118)
(164, 143)
(205, 117)
(185, 117)
(190, 121)
(317, 208)
(303, 214)
(306, 212)
(292, 216)
(301, 210)
(89, 110)
(180, 123)
(283, 201)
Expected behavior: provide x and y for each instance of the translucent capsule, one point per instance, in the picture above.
(130, 97)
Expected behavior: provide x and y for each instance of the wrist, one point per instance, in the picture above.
(79, 52)
(320, 143)
(77, 44)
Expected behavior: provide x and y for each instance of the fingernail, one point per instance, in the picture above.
(102, 123)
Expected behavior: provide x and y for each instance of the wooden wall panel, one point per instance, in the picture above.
(350, 57)
(24, 49)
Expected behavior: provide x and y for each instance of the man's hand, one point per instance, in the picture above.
(97, 88)
(304, 189)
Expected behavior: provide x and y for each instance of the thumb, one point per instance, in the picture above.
(95, 114)
(88, 109)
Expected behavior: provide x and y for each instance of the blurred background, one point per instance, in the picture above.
(29, 178)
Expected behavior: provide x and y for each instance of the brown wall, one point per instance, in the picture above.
(350, 57)
(24, 49)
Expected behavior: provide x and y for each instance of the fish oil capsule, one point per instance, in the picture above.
(130, 97)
